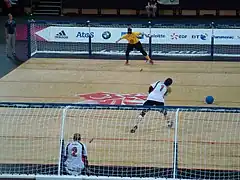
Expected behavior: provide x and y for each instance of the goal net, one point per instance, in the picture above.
(203, 143)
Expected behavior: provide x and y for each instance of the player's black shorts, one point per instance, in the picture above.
(153, 103)
(137, 46)
(157, 104)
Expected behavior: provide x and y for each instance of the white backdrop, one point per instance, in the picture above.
(159, 35)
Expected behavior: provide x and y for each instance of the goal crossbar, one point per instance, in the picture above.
(121, 107)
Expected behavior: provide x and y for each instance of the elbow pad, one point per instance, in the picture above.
(150, 89)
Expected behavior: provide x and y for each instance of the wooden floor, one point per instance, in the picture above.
(206, 140)
(57, 80)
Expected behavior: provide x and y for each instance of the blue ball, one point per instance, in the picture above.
(209, 99)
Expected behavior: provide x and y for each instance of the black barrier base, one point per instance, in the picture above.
(123, 171)
(136, 57)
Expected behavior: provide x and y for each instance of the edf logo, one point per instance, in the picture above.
(177, 36)
(201, 36)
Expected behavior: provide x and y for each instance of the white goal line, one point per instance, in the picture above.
(133, 53)
(68, 177)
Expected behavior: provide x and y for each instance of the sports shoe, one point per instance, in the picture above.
(170, 124)
(134, 129)
(149, 61)
(140, 116)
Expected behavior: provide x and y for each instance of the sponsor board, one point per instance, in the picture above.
(84, 34)
(176, 36)
(202, 37)
(226, 37)
(159, 35)
(111, 35)
(106, 35)
(61, 35)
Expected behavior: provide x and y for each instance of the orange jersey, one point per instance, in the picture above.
(131, 38)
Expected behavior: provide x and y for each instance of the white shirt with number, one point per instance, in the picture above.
(158, 92)
(74, 152)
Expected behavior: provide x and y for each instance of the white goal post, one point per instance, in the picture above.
(204, 142)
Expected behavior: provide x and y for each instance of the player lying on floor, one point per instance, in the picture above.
(157, 92)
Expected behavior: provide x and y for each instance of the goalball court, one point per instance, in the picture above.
(207, 141)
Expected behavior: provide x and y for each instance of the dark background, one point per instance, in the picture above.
(184, 4)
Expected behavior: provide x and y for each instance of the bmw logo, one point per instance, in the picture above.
(106, 35)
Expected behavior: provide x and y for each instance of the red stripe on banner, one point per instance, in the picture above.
(8, 3)
(21, 32)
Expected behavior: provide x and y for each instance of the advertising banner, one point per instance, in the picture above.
(159, 35)
(111, 35)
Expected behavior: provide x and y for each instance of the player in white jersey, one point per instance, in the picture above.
(75, 156)
(157, 91)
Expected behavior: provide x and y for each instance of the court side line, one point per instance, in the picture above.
(107, 61)
(138, 84)
(39, 97)
(126, 139)
(125, 70)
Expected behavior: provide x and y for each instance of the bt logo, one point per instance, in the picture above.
(201, 36)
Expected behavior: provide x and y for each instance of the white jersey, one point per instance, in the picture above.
(73, 153)
(158, 92)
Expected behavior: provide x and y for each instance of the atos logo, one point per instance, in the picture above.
(201, 36)
(177, 36)
(106, 35)
(85, 35)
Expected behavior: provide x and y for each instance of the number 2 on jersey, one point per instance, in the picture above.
(74, 151)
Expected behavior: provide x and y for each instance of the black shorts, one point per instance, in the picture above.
(137, 46)
(157, 104)
(153, 103)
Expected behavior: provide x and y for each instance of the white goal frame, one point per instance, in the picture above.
(65, 107)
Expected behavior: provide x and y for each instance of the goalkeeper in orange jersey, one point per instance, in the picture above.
(133, 42)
